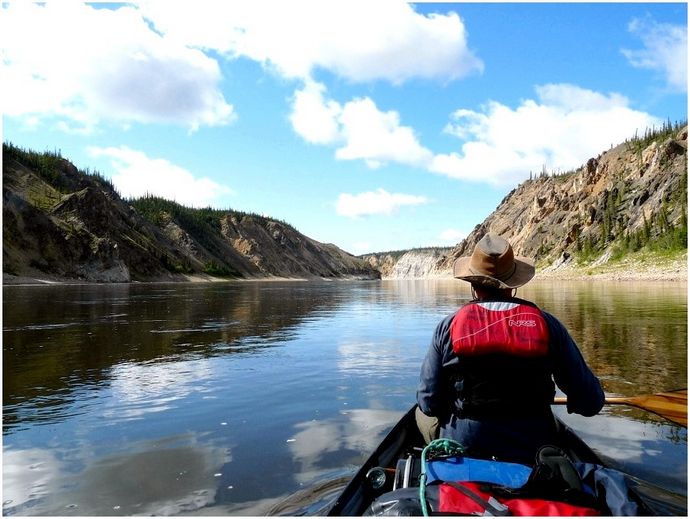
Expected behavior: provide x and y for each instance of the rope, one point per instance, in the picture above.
(440, 448)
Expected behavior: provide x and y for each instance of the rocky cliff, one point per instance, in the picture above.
(630, 196)
(412, 264)
(63, 224)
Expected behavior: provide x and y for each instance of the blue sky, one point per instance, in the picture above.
(373, 125)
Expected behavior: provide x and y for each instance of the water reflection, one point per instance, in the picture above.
(225, 398)
(317, 444)
(634, 335)
(154, 481)
(58, 340)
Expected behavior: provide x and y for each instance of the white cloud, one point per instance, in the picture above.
(362, 131)
(452, 236)
(665, 50)
(355, 39)
(559, 131)
(92, 65)
(313, 117)
(375, 202)
(137, 175)
(378, 137)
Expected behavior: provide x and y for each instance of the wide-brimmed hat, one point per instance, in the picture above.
(493, 264)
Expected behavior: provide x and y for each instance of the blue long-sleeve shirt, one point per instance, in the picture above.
(506, 437)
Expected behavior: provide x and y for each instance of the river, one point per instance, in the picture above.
(225, 398)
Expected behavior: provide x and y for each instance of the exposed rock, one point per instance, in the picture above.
(62, 224)
(413, 264)
(624, 189)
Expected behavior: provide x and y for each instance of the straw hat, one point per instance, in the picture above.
(493, 264)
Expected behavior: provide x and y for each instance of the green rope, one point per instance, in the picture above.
(443, 447)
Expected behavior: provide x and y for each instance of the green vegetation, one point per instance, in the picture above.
(50, 166)
(213, 269)
(668, 129)
(396, 254)
(657, 235)
(157, 210)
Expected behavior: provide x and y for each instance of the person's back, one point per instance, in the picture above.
(489, 374)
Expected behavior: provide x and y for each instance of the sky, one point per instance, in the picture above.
(376, 126)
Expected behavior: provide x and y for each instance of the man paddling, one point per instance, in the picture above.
(488, 378)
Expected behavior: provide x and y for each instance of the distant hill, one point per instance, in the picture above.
(411, 264)
(60, 223)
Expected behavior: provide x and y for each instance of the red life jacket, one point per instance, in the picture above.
(508, 328)
(503, 365)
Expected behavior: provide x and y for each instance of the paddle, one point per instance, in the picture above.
(672, 405)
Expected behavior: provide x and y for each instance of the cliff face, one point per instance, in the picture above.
(63, 224)
(413, 264)
(637, 188)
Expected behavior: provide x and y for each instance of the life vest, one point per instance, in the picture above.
(508, 328)
(503, 352)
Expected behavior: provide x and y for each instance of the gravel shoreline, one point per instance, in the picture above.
(675, 270)
(667, 270)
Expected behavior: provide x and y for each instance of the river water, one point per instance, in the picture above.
(225, 398)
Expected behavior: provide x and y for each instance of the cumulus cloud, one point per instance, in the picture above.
(314, 117)
(355, 39)
(375, 202)
(665, 50)
(360, 129)
(377, 136)
(112, 68)
(137, 175)
(558, 131)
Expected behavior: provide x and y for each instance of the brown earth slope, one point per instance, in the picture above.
(63, 224)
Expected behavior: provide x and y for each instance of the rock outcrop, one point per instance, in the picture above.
(412, 264)
(635, 188)
(62, 224)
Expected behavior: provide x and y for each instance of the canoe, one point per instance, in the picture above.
(386, 469)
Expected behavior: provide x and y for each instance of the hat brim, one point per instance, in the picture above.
(524, 272)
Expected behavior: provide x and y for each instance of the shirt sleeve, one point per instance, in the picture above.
(571, 373)
(432, 394)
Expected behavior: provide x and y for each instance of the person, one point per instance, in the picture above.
(487, 380)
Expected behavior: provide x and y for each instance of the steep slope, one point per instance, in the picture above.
(411, 264)
(64, 224)
(73, 226)
(629, 196)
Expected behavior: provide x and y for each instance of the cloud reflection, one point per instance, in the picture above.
(28, 474)
(153, 481)
(369, 357)
(358, 431)
(144, 388)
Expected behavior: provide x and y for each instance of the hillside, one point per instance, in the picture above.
(63, 224)
(629, 199)
(409, 264)
(622, 215)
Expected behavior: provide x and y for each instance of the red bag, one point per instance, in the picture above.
(473, 498)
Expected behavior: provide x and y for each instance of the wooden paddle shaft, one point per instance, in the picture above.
(672, 405)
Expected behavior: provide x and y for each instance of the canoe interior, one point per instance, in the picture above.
(405, 438)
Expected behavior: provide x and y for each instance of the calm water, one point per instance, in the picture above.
(214, 399)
